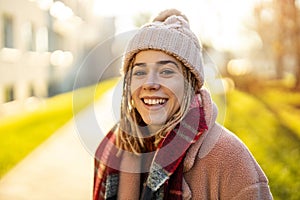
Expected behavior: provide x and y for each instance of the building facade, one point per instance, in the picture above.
(40, 42)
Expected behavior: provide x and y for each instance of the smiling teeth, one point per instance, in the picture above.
(154, 101)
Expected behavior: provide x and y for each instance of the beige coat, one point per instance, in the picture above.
(217, 166)
(220, 166)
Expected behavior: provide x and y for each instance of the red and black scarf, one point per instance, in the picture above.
(164, 180)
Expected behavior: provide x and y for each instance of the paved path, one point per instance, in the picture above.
(62, 167)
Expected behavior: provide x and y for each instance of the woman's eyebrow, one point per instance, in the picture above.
(164, 62)
(139, 65)
(161, 62)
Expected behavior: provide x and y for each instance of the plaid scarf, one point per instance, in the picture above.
(164, 180)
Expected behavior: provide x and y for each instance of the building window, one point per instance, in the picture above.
(28, 36)
(55, 40)
(9, 93)
(31, 91)
(8, 33)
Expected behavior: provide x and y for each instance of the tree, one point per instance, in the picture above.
(295, 16)
(277, 23)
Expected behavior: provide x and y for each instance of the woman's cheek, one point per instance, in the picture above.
(135, 85)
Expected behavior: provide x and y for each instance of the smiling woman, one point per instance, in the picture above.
(156, 87)
(167, 144)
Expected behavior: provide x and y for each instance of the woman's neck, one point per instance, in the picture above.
(153, 129)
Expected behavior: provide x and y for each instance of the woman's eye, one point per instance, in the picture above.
(167, 72)
(139, 73)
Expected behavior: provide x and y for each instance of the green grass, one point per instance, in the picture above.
(269, 136)
(285, 105)
(20, 134)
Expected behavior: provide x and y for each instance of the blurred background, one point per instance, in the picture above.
(254, 46)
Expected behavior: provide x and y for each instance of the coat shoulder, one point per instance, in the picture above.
(225, 166)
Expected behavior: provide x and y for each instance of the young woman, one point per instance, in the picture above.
(167, 144)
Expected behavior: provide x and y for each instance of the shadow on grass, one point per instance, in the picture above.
(275, 146)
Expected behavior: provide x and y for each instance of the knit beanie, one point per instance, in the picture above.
(169, 32)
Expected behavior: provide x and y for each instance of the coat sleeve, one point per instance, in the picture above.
(255, 191)
(243, 178)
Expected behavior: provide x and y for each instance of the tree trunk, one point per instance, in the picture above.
(295, 14)
(279, 48)
(279, 67)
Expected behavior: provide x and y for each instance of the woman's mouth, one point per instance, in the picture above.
(154, 101)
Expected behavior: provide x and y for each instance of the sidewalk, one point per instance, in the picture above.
(61, 168)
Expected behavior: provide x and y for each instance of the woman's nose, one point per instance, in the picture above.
(151, 82)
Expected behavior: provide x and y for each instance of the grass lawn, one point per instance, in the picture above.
(21, 133)
(269, 125)
(285, 105)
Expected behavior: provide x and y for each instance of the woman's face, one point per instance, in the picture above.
(157, 86)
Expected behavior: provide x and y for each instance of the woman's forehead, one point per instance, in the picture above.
(153, 56)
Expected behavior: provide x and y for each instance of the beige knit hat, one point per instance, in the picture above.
(169, 32)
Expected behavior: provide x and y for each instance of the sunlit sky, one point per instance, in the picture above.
(218, 22)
